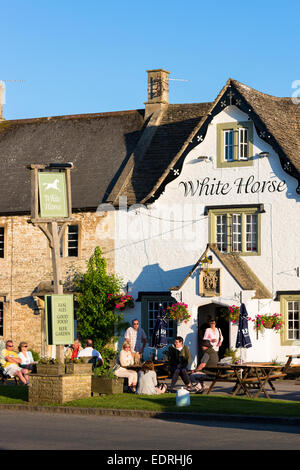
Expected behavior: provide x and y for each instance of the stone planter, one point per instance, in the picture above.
(79, 369)
(108, 386)
(51, 369)
(58, 389)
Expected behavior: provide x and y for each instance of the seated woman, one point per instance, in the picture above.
(27, 361)
(147, 382)
(126, 359)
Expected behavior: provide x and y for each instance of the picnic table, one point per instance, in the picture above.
(247, 376)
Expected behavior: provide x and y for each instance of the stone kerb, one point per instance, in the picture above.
(58, 389)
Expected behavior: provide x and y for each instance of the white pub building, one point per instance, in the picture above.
(209, 215)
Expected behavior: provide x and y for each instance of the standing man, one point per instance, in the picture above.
(137, 338)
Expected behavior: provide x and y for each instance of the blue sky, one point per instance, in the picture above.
(70, 57)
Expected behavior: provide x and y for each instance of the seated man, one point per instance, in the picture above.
(11, 363)
(209, 359)
(179, 356)
(89, 351)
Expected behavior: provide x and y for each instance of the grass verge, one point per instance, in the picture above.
(167, 403)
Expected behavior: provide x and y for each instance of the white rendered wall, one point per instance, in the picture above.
(154, 254)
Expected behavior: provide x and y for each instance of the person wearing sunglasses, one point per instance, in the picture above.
(26, 357)
(137, 338)
(12, 363)
(121, 369)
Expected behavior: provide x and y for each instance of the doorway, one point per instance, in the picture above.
(214, 312)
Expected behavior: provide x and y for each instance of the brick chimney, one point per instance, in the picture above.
(158, 91)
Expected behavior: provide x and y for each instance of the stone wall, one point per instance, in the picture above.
(45, 389)
(27, 262)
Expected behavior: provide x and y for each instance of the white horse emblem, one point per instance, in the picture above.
(52, 185)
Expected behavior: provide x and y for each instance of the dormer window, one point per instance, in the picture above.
(234, 144)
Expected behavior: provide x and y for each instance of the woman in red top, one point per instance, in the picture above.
(72, 352)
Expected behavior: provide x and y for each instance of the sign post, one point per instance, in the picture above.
(51, 211)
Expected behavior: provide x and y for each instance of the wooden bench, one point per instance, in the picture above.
(4, 378)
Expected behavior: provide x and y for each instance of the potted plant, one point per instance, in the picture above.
(78, 367)
(103, 379)
(268, 321)
(49, 366)
(178, 312)
(121, 301)
(105, 382)
(232, 354)
(231, 313)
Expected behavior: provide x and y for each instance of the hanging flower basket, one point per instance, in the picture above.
(178, 312)
(270, 322)
(121, 301)
(231, 313)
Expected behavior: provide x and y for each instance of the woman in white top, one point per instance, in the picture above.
(214, 335)
(25, 355)
(126, 359)
(147, 384)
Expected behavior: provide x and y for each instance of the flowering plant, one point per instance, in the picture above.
(231, 313)
(121, 301)
(273, 321)
(178, 312)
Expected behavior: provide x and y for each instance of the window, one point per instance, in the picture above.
(293, 319)
(73, 240)
(1, 318)
(290, 310)
(228, 145)
(235, 230)
(150, 307)
(243, 143)
(234, 144)
(152, 317)
(69, 243)
(2, 242)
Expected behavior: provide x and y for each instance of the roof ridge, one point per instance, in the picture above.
(238, 83)
(73, 116)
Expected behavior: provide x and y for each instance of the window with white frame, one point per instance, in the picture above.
(69, 243)
(293, 307)
(234, 144)
(243, 143)
(235, 230)
(153, 308)
(73, 239)
(149, 312)
(228, 145)
(290, 311)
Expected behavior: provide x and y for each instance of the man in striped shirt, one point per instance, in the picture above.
(136, 336)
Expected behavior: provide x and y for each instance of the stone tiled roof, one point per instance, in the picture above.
(97, 144)
(277, 121)
(118, 154)
(242, 273)
(238, 269)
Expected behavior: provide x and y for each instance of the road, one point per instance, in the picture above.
(40, 431)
